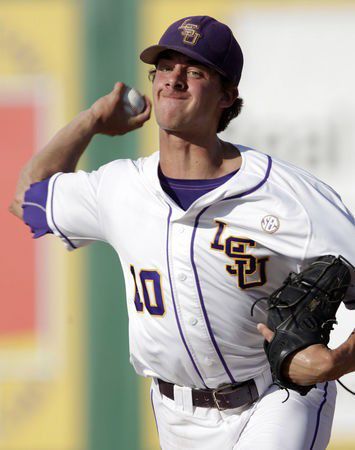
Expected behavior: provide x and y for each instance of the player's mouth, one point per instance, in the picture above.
(175, 96)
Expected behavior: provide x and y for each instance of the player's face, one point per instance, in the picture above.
(187, 96)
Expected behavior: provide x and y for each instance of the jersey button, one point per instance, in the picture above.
(208, 361)
(182, 277)
(193, 321)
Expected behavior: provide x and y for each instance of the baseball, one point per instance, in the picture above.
(133, 101)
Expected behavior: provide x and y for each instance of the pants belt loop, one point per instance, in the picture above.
(183, 398)
(178, 397)
(263, 381)
(187, 399)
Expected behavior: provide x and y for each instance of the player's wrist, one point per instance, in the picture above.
(90, 121)
(343, 358)
(326, 366)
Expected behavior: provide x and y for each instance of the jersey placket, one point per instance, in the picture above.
(187, 298)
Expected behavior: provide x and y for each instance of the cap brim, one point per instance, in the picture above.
(150, 55)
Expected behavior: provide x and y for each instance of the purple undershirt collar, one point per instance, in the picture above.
(186, 192)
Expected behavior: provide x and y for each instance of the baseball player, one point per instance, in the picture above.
(203, 228)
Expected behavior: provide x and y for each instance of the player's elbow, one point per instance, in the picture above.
(15, 208)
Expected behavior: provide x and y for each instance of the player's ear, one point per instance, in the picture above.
(229, 96)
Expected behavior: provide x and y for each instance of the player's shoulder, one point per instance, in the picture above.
(128, 167)
(298, 179)
(292, 178)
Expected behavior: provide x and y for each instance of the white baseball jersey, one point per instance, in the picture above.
(192, 276)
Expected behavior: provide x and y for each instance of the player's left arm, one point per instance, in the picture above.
(317, 363)
(331, 225)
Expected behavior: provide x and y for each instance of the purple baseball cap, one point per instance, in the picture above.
(203, 39)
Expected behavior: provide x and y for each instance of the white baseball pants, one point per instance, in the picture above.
(271, 423)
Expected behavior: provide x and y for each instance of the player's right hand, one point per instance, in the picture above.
(110, 116)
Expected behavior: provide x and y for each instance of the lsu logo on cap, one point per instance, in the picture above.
(189, 32)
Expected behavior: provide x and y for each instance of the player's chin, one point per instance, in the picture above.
(174, 123)
(169, 113)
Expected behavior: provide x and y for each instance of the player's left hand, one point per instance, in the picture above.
(305, 367)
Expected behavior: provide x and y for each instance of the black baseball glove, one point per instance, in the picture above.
(302, 312)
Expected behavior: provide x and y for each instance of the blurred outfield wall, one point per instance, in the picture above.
(42, 401)
(65, 379)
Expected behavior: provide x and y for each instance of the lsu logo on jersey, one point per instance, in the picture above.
(248, 269)
(189, 32)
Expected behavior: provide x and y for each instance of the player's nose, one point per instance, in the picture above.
(177, 78)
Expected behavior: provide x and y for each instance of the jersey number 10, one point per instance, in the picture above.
(152, 292)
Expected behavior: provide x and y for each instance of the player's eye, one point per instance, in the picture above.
(193, 73)
(164, 68)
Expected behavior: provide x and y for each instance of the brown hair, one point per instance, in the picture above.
(233, 111)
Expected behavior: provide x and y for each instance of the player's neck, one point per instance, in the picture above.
(197, 158)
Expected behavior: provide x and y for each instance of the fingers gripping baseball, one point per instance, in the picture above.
(112, 118)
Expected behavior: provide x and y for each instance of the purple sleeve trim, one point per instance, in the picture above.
(34, 208)
(54, 223)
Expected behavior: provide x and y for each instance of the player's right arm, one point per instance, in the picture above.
(62, 153)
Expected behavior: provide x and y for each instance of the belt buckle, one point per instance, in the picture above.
(217, 391)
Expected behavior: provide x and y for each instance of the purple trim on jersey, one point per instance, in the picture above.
(185, 192)
(34, 208)
(173, 298)
(267, 173)
(318, 415)
(52, 214)
(202, 301)
(255, 188)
